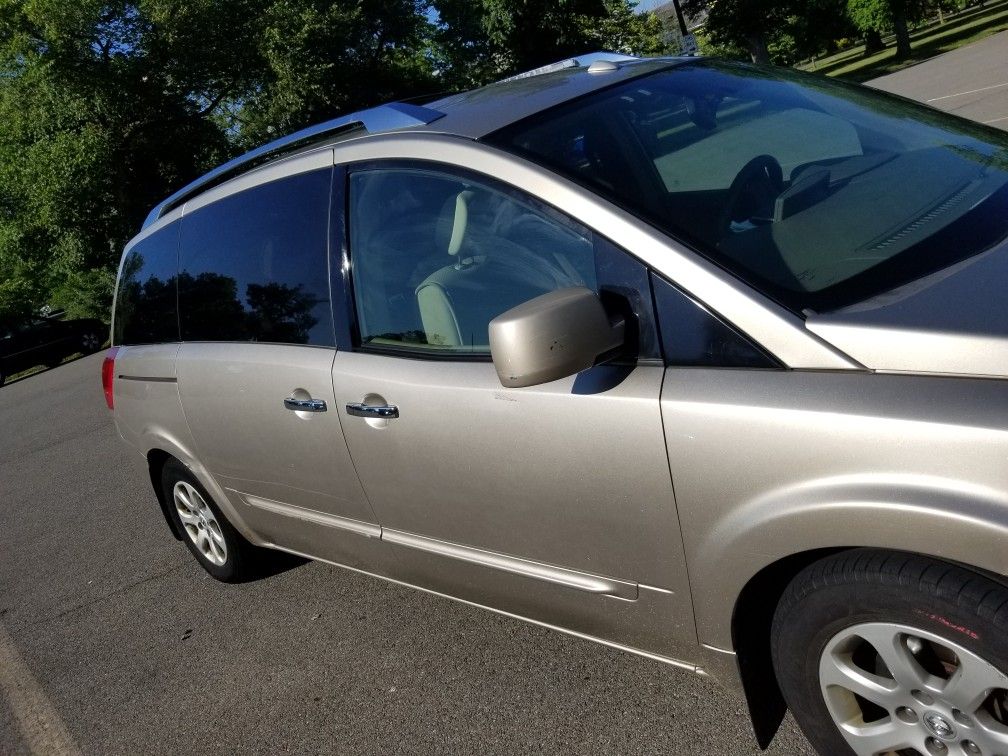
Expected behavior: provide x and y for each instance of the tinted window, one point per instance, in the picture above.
(436, 256)
(693, 336)
(817, 192)
(145, 310)
(254, 265)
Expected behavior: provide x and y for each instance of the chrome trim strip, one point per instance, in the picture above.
(581, 581)
(366, 529)
(393, 115)
(585, 636)
(148, 378)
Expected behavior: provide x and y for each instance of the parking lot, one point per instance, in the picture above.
(971, 82)
(112, 640)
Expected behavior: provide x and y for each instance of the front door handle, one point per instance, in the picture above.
(359, 409)
(305, 405)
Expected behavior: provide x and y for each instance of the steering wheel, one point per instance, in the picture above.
(752, 193)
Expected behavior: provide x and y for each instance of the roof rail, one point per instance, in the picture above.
(581, 61)
(394, 115)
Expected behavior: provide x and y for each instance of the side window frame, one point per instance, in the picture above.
(341, 296)
(343, 284)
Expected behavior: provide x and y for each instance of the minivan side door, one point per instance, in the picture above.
(553, 503)
(254, 367)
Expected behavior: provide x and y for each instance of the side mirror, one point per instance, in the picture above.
(551, 337)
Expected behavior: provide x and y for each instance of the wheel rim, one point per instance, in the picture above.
(200, 523)
(896, 689)
(90, 342)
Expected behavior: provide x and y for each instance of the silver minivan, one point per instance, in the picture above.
(701, 360)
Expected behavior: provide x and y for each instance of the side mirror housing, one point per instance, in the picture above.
(551, 337)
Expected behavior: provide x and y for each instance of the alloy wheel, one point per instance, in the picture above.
(896, 689)
(200, 523)
(89, 343)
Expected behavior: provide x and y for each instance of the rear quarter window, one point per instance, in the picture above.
(145, 305)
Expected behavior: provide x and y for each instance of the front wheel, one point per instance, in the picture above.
(887, 653)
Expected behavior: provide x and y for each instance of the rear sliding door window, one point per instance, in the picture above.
(253, 266)
(145, 311)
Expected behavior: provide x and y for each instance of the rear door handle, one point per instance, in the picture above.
(359, 409)
(305, 405)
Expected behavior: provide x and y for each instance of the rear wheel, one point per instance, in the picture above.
(887, 653)
(218, 547)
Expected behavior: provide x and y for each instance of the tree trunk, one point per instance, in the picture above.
(872, 42)
(902, 33)
(758, 48)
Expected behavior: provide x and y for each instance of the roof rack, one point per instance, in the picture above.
(581, 61)
(394, 115)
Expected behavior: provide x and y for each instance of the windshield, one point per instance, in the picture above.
(819, 193)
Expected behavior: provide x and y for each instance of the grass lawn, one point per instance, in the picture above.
(925, 41)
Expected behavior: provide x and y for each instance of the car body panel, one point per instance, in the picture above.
(506, 474)
(149, 417)
(943, 323)
(769, 464)
(278, 466)
(480, 111)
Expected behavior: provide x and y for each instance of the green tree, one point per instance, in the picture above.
(778, 31)
(478, 41)
(320, 58)
(105, 108)
(750, 25)
(108, 107)
(885, 16)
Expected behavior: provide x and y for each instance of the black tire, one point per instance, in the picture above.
(873, 586)
(243, 562)
(90, 342)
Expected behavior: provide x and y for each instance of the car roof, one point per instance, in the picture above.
(472, 114)
(478, 112)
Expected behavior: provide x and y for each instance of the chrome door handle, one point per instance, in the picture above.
(305, 405)
(359, 409)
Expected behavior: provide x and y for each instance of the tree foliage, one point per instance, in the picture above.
(108, 106)
(888, 16)
(481, 40)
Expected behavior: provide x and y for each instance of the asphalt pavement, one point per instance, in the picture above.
(971, 82)
(112, 639)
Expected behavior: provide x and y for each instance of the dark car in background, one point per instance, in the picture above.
(46, 340)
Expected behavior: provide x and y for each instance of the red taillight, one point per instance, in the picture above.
(108, 374)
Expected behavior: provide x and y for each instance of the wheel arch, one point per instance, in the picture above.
(159, 451)
(751, 622)
(156, 460)
(752, 619)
